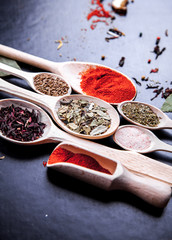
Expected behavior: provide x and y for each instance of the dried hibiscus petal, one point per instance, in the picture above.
(20, 124)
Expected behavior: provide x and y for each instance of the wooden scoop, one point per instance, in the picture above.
(150, 190)
(68, 70)
(135, 162)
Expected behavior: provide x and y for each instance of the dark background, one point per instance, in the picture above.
(39, 204)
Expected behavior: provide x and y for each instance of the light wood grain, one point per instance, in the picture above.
(150, 190)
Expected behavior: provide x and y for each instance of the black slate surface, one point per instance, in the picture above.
(40, 204)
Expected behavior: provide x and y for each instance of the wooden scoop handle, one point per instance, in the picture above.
(152, 191)
(26, 58)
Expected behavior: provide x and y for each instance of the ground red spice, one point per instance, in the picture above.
(60, 155)
(106, 84)
(99, 11)
(63, 155)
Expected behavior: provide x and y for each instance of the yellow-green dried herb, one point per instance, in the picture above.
(84, 117)
(140, 113)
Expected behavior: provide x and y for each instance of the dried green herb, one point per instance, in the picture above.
(9, 62)
(140, 113)
(84, 117)
(167, 105)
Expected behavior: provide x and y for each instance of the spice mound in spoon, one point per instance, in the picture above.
(140, 113)
(63, 155)
(132, 138)
(20, 124)
(107, 84)
(84, 117)
(50, 84)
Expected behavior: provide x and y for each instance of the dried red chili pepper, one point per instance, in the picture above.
(155, 70)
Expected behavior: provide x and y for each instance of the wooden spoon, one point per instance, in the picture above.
(68, 70)
(135, 162)
(52, 105)
(164, 120)
(152, 142)
(150, 190)
(29, 77)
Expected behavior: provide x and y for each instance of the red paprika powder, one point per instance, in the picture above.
(106, 84)
(63, 155)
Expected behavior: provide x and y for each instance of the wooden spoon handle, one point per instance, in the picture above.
(152, 191)
(26, 58)
(14, 71)
(168, 123)
(44, 101)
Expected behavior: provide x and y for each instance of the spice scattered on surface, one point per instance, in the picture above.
(149, 61)
(106, 84)
(140, 113)
(157, 51)
(136, 81)
(155, 70)
(44, 163)
(20, 124)
(84, 117)
(166, 93)
(103, 57)
(99, 12)
(132, 138)
(166, 32)
(60, 44)
(122, 61)
(143, 78)
(157, 40)
(50, 84)
(116, 31)
(151, 86)
(140, 34)
(157, 91)
(120, 6)
(63, 155)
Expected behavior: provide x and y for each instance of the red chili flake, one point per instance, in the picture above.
(44, 163)
(149, 60)
(154, 70)
(99, 11)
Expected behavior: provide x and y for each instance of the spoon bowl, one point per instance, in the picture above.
(29, 77)
(138, 139)
(164, 120)
(69, 71)
(52, 105)
(43, 116)
(150, 190)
